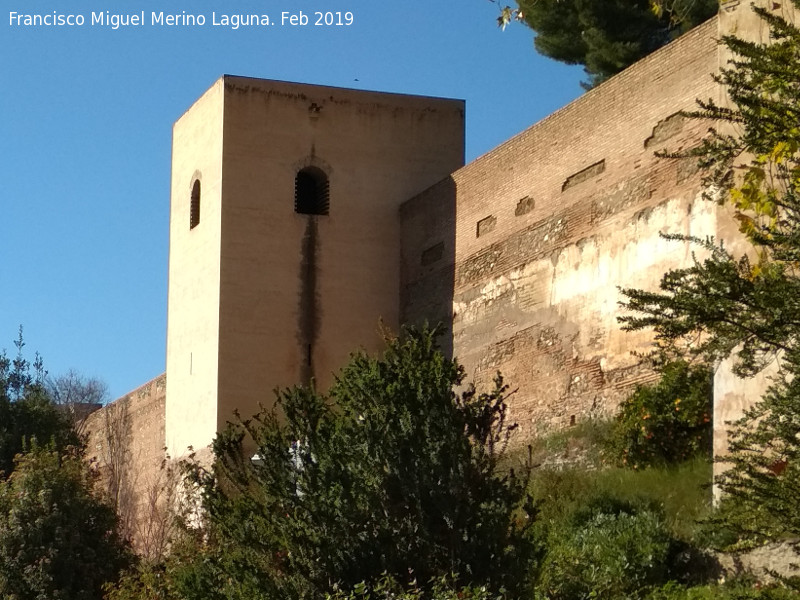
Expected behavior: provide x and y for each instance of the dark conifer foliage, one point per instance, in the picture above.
(606, 36)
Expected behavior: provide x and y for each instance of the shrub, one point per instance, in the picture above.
(607, 549)
(683, 491)
(57, 539)
(392, 472)
(440, 588)
(667, 422)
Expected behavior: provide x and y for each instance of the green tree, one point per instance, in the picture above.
(391, 473)
(749, 306)
(606, 36)
(57, 540)
(762, 484)
(666, 422)
(26, 410)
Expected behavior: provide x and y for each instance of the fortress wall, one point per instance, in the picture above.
(537, 235)
(125, 440)
(142, 411)
(427, 249)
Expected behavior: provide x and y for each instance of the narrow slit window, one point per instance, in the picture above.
(311, 194)
(194, 208)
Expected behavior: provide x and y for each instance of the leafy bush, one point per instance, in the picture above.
(667, 422)
(391, 473)
(57, 540)
(738, 589)
(144, 582)
(608, 549)
(441, 588)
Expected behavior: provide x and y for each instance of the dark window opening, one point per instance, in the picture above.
(311, 192)
(194, 209)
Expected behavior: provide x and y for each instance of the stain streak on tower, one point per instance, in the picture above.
(295, 259)
(309, 303)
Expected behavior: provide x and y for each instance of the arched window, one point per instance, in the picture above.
(194, 208)
(311, 192)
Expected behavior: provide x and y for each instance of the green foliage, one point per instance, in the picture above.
(666, 422)
(599, 522)
(749, 307)
(173, 577)
(762, 482)
(57, 540)
(392, 472)
(682, 490)
(606, 36)
(441, 588)
(607, 549)
(26, 412)
(737, 589)
(144, 582)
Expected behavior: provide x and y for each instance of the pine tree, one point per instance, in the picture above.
(606, 36)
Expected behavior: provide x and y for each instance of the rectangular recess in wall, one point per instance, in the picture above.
(592, 170)
(524, 206)
(485, 225)
(432, 254)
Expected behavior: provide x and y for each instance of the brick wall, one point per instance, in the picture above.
(522, 251)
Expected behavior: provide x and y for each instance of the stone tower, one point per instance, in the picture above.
(285, 236)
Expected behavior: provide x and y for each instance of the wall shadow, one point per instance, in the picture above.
(428, 247)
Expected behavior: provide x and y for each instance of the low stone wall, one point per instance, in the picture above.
(125, 444)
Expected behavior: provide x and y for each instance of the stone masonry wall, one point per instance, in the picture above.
(126, 444)
(522, 251)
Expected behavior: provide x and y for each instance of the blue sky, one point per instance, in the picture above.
(85, 142)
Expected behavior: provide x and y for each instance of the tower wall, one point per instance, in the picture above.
(193, 304)
(293, 294)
